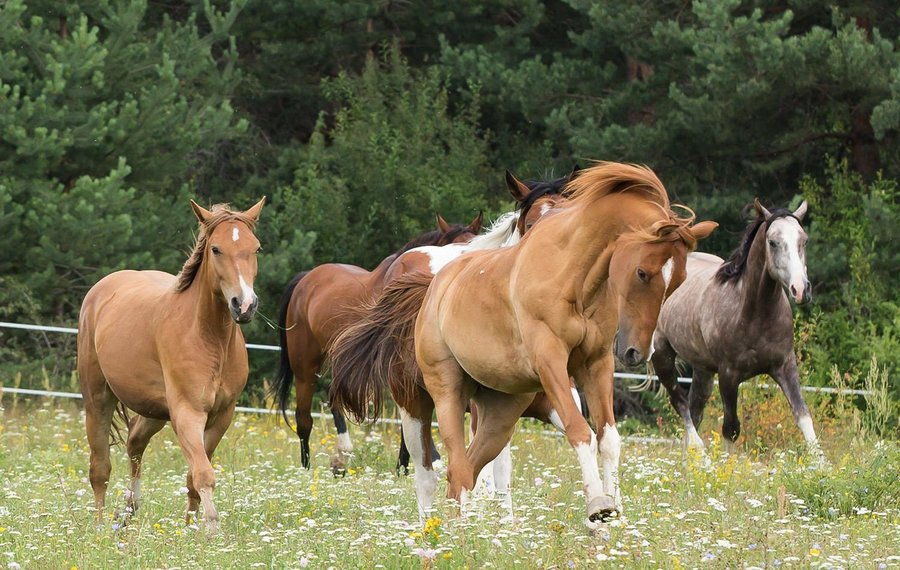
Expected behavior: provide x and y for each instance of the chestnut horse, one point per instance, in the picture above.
(311, 315)
(170, 349)
(745, 294)
(498, 326)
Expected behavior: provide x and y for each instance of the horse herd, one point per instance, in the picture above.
(589, 268)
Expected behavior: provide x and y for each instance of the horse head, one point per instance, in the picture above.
(230, 248)
(786, 249)
(535, 199)
(645, 268)
(458, 233)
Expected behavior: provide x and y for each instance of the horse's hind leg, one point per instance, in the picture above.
(416, 418)
(343, 447)
(140, 431)
(99, 406)
(664, 364)
(498, 415)
(701, 388)
(731, 424)
(306, 367)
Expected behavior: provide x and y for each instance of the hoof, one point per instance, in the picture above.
(602, 509)
(339, 472)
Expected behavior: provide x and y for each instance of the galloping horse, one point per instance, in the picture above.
(312, 312)
(316, 305)
(498, 326)
(733, 318)
(169, 348)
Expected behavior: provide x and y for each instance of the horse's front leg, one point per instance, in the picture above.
(190, 426)
(550, 360)
(597, 383)
(788, 377)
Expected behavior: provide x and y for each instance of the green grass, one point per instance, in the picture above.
(748, 510)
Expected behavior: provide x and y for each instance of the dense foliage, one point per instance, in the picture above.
(360, 120)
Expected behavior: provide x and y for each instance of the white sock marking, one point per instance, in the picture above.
(425, 479)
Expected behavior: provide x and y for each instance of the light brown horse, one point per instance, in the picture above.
(318, 304)
(313, 310)
(498, 326)
(170, 349)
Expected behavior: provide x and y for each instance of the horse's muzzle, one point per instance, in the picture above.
(243, 316)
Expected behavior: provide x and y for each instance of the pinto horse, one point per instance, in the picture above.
(170, 349)
(498, 326)
(733, 318)
(312, 312)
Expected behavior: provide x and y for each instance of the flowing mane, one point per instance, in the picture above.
(733, 269)
(607, 177)
(501, 233)
(221, 213)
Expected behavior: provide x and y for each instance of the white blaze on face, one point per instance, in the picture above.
(247, 294)
(667, 269)
(235, 234)
(785, 262)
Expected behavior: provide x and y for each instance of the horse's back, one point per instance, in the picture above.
(321, 298)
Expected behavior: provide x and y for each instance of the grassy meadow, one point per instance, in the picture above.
(764, 507)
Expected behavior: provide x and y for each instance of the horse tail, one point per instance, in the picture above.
(120, 422)
(368, 356)
(281, 389)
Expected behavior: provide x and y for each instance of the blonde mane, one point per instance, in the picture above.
(220, 213)
(605, 178)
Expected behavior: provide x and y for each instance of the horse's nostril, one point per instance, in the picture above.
(235, 303)
(793, 291)
(632, 356)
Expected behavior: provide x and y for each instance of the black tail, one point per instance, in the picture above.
(281, 390)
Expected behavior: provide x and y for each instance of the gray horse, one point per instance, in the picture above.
(734, 318)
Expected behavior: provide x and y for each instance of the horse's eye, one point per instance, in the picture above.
(259, 249)
(642, 275)
(215, 250)
(773, 243)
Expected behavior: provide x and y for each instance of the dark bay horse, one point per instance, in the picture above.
(170, 349)
(312, 312)
(498, 326)
(733, 318)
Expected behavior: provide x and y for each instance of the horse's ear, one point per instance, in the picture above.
(518, 190)
(761, 209)
(202, 213)
(800, 212)
(442, 224)
(703, 229)
(475, 226)
(254, 210)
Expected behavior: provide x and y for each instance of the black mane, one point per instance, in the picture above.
(542, 188)
(434, 237)
(734, 268)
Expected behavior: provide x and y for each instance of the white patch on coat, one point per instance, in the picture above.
(439, 256)
(503, 477)
(590, 472)
(343, 443)
(806, 426)
(610, 449)
(425, 479)
(235, 234)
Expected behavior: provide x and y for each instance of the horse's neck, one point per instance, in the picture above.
(760, 293)
(211, 314)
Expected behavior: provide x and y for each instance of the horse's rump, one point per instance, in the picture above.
(377, 350)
